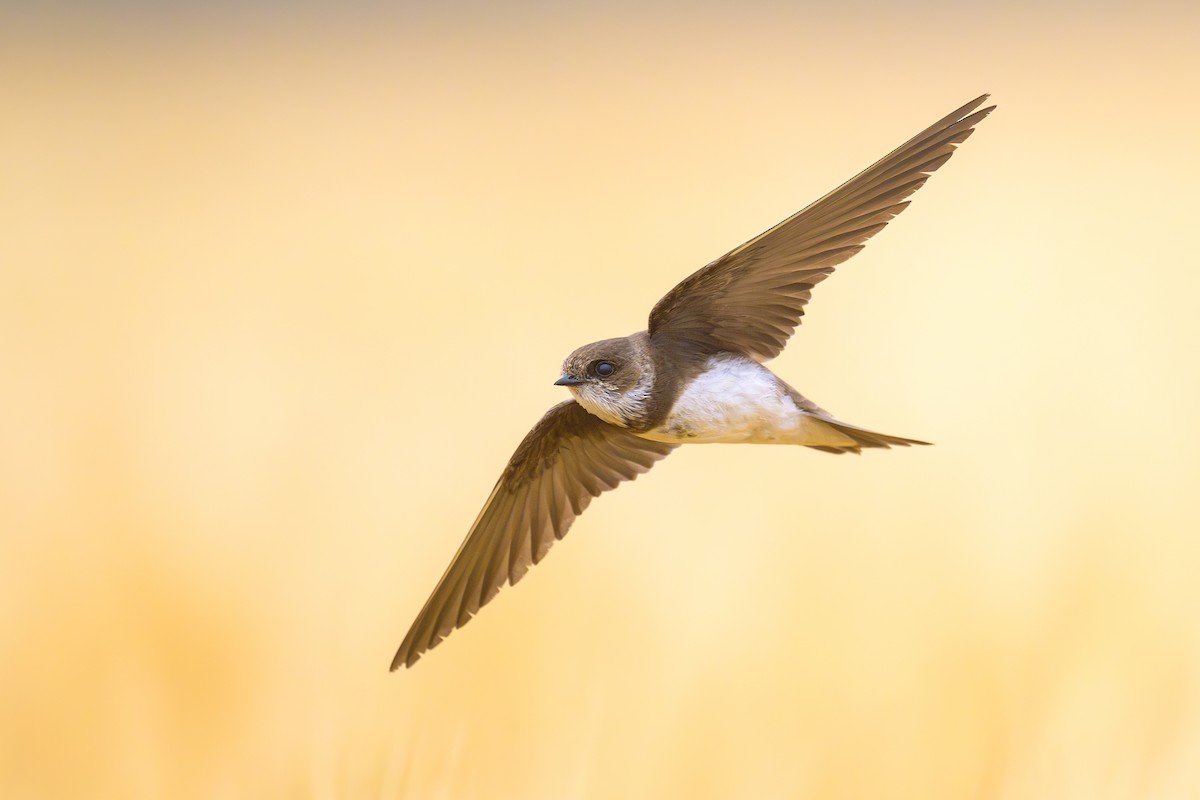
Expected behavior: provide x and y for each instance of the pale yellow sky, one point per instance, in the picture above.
(276, 304)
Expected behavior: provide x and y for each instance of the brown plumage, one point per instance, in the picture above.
(751, 299)
(567, 459)
(695, 375)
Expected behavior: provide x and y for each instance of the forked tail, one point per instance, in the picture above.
(857, 438)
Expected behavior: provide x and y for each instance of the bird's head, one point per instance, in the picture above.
(611, 379)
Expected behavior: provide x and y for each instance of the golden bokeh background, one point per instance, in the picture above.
(280, 290)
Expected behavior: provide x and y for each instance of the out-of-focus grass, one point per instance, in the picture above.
(276, 305)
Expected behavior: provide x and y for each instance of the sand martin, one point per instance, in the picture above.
(695, 375)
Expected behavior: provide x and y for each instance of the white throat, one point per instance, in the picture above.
(617, 409)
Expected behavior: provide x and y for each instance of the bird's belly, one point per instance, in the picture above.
(734, 400)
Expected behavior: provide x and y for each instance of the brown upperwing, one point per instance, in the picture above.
(751, 300)
(567, 459)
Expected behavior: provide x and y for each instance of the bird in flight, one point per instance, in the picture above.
(695, 375)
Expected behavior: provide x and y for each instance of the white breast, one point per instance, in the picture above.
(734, 400)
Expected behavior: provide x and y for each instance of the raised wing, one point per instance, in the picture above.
(567, 459)
(750, 300)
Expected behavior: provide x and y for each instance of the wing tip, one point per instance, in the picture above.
(406, 656)
(983, 112)
(976, 103)
(409, 654)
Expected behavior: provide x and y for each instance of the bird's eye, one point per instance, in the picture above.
(604, 368)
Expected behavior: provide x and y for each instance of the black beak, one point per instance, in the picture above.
(567, 380)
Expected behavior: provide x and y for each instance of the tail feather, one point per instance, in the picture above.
(838, 437)
(861, 437)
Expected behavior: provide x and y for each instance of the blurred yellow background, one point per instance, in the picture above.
(280, 291)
